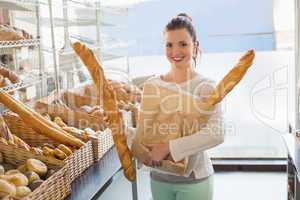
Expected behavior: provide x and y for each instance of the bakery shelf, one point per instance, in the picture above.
(28, 81)
(19, 43)
(68, 51)
(92, 5)
(20, 5)
(59, 22)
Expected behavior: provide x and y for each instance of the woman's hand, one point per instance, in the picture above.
(158, 152)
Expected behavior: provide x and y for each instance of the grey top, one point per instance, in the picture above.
(194, 146)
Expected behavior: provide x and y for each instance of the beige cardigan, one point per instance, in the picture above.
(190, 147)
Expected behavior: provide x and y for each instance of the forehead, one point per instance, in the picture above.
(177, 35)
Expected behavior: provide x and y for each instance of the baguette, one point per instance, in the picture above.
(231, 79)
(38, 122)
(59, 122)
(106, 95)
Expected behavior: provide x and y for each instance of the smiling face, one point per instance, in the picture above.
(179, 48)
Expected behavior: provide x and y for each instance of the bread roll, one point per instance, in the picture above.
(17, 179)
(7, 188)
(65, 149)
(12, 76)
(22, 191)
(36, 166)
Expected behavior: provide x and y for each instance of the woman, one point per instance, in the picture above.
(181, 49)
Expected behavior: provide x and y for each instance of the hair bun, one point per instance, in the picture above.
(184, 15)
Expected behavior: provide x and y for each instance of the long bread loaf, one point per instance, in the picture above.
(38, 122)
(106, 93)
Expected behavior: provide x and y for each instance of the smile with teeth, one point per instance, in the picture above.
(177, 59)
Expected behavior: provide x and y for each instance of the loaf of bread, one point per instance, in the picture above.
(7, 33)
(71, 117)
(10, 33)
(106, 94)
(125, 92)
(4, 81)
(12, 76)
(38, 122)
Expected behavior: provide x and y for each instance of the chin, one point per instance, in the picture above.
(181, 65)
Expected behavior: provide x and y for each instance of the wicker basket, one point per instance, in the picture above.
(78, 119)
(56, 187)
(102, 144)
(104, 141)
(78, 162)
(73, 99)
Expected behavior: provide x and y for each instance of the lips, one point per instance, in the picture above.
(177, 59)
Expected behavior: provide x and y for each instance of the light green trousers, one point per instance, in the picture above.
(189, 191)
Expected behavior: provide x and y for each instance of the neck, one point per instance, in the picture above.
(179, 75)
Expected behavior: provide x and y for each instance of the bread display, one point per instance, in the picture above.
(10, 33)
(108, 97)
(4, 81)
(7, 189)
(78, 100)
(22, 191)
(5, 132)
(31, 175)
(36, 166)
(60, 152)
(18, 179)
(38, 122)
(70, 117)
(125, 92)
(19, 184)
(10, 75)
(192, 116)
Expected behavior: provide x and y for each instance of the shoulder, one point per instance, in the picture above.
(204, 79)
(152, 80)
(204, 85)
(150, 86)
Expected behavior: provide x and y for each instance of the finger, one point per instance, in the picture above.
(149, 146)
(153, 163)
(148, 161)
(156, 163)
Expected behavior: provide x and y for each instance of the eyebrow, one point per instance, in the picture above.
(178, 42)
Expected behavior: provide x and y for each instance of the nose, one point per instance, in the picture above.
(175, 50)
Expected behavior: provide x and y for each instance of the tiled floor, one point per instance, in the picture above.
(228, 186)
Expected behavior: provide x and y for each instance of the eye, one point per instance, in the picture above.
(183, 44)
(168, 45)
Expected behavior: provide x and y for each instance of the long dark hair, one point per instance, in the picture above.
(182, 20)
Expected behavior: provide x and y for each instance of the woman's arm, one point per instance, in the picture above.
(211, 135)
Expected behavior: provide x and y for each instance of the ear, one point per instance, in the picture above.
(196, 49)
